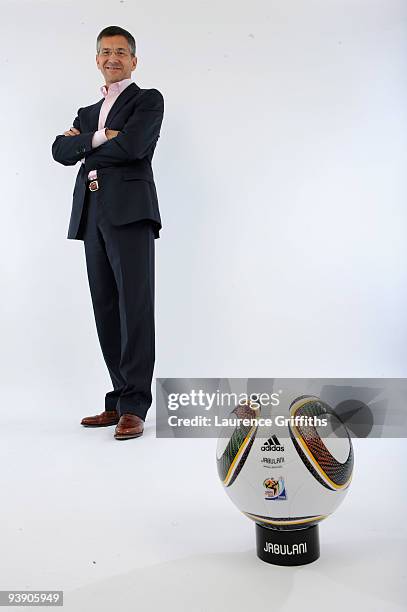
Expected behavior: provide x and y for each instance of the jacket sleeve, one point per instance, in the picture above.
(139, 133)
(68, 150)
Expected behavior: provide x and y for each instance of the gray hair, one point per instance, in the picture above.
(116, 31)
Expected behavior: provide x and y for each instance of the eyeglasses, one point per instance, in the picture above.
(109, 52)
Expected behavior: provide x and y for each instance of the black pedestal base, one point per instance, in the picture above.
(279, 547)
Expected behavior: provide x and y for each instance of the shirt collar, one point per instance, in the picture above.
(115, 88)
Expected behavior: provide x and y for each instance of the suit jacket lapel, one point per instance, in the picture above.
(94, 116)
(121, 100)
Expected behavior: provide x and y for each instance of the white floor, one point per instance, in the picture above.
(144, 524)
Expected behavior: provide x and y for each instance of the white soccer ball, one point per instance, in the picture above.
(290, 476)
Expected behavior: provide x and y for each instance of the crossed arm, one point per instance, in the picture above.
(74, 132)
(134, 141)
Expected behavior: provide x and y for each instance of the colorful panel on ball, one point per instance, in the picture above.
(288, 523)
(330, 472)
(233, 458)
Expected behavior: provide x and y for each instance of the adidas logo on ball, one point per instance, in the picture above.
(273, 444)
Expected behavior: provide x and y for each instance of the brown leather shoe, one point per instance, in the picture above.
(129, 426)
(106, 418)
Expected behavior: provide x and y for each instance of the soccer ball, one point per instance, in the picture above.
(288, 476)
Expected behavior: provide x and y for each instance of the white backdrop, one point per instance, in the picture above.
(280, 178)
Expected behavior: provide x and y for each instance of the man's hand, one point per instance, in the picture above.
(72, 132)
(111, 134)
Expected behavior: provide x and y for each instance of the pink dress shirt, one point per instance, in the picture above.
(110, 95)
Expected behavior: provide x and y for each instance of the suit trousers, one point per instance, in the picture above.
(120, 268)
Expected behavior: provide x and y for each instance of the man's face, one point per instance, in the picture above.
(114, 59)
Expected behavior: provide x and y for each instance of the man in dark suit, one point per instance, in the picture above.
(115, 212)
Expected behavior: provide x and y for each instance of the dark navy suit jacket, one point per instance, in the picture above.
(126, 182)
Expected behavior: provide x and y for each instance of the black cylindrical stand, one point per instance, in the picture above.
(281, 547)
